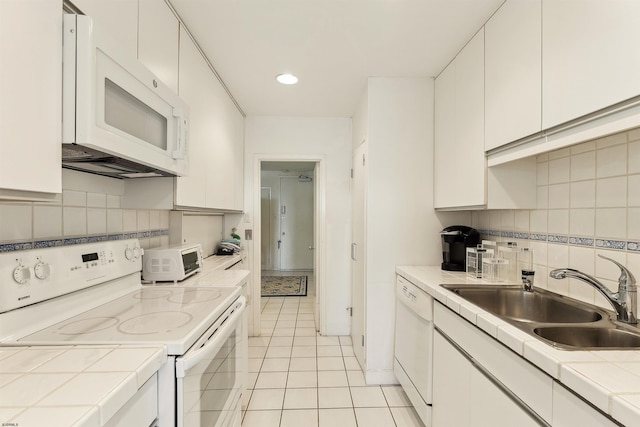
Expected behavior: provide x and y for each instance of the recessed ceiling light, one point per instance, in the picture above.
(287, 79)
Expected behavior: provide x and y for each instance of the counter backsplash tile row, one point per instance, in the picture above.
(88, 210)
(588, 203)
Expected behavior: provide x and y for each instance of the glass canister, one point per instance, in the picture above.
(475, 260)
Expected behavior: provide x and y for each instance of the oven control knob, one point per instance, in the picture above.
(137, 252)
(42, 270)
(128, 254)
(22, 274)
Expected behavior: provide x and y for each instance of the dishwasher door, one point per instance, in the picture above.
(413, 355)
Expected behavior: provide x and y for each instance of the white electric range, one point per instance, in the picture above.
(92, 294)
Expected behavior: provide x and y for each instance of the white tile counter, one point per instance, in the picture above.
(610, 380)
(66, 386)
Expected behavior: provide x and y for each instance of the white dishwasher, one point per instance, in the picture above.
(413, 354)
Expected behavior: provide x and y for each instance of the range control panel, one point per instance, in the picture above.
(28, 277)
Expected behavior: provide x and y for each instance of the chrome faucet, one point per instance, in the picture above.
(624, 301)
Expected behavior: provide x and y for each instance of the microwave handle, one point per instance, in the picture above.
(182, 136)
(208, 350)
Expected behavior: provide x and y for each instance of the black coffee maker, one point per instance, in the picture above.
(455, 241)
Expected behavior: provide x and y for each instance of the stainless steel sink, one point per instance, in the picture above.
(537, 306)
(589, 338)
(560, 321)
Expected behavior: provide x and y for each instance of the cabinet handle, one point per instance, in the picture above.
(353, 251)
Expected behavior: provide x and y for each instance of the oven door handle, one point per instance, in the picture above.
(212, 345)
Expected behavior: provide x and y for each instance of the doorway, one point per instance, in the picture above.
(288, 233)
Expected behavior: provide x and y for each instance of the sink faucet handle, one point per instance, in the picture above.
(626, 278)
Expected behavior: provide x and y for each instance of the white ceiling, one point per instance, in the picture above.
(331, 45)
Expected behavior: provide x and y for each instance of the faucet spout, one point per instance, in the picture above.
(624, 301)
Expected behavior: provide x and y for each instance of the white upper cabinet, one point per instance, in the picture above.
(195, 90)
(216, 139)
(513, 69)
(119, 18)
(30, 99)
(590, 56)
(158, 35)
(460, 165)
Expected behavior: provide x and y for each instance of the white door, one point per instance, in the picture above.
(296, 223)
(358, 252)
(265, 228)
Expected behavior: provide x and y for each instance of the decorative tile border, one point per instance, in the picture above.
(581, 241)
(552, 238)
(611, 244)
(563, 240)
(43, 244)
(633, 246)
(538, 237)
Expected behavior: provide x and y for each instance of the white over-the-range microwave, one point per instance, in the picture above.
(119, 119)
(171, 263)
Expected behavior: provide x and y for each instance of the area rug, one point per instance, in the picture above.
(284, 286)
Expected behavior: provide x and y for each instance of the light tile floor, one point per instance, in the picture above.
(298, 378)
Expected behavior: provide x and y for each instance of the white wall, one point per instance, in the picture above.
(402, 227)
(307, 138)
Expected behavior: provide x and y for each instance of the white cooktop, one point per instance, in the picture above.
(173, 316)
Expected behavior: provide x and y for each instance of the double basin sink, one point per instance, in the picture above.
(560, 321)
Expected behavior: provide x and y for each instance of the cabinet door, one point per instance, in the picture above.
(464, 396)
(216, 136)
(120, 19)
(158, 34)
(194, 90)
(513, 68)
(30, 97)
(491, 406)
(460, 164)
(451, 385)
(590, 56)
(569, 411)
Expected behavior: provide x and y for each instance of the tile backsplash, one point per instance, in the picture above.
(588, 203)
(89, 209)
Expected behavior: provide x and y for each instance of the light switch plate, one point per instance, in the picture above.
(248, 234)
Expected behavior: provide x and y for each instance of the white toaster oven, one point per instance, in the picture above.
(171, 263)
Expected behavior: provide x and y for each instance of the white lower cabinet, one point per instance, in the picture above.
(479, 382)
(465, 396)
(570, 411)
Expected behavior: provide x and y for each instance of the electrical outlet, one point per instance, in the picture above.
(248, 234)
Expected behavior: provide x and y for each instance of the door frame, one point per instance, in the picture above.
(320, 231)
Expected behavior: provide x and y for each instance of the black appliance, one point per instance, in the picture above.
(455, 241)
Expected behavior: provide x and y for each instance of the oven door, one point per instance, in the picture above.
(210, 374)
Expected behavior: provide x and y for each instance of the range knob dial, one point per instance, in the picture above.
(42, 270)
(22, 274)
(128, 254)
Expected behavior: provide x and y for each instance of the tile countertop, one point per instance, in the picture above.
(610, 380)
(81, 386)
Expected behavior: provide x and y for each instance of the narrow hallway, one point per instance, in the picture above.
(299, 378)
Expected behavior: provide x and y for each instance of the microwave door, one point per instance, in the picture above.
(120, 108)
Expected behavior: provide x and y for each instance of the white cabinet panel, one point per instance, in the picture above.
(569, 411)
(216, 140)
(590, 56)
(460, 165)
(464, 397)
(513, 68)
(451, 385)
(119, 18)
(158, 33)
(194, 90)
(30, 98)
